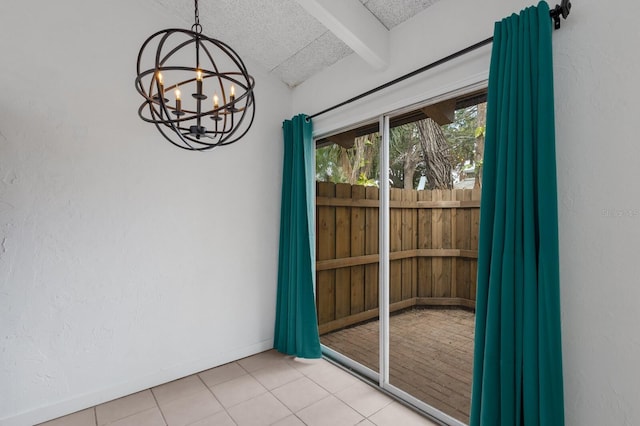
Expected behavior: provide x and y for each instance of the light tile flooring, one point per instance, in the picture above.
(265, 389)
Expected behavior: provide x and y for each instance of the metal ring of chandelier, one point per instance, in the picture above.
(189, 121)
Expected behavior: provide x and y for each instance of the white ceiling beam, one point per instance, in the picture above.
(358, 28)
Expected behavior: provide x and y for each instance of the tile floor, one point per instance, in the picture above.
(265, 389)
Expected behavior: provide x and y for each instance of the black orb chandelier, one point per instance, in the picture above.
(195, 107)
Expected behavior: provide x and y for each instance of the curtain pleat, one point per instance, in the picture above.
(517, 378)
(296, 328)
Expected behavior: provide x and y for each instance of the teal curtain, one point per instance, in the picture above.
(517, 377)
(296, 330)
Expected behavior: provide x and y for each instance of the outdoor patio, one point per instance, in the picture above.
(431, 354)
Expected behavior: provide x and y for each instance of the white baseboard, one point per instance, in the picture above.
(81, 402)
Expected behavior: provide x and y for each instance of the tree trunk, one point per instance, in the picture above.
(354, 160)
(479, 155)
(345, 163)
(410, 165)
(436, 155)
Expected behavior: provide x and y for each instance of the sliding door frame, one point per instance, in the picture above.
(381, 377)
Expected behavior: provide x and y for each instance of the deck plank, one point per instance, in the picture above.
(430, 353)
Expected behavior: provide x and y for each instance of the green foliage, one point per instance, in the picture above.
(461, 136)
(356, 165)
(404, 145)
(359, 165)
(364, 181)
(328, 167)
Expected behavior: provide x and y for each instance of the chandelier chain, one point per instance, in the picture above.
(196, 26)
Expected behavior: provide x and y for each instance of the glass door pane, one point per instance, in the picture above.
(433, 227)
(347, 210)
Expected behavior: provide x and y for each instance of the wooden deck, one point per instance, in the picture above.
(430, 352)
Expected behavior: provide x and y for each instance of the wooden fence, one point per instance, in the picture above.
(433, 251)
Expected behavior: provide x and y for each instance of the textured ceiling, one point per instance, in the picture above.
(282, 35)
(393, 12)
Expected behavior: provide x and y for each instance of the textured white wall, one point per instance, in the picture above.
(597, 91)
(124, 261)
(596, 74)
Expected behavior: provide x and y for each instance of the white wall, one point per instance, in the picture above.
(596, 75)
(124, 261)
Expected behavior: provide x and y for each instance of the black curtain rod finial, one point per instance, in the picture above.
(561, 10)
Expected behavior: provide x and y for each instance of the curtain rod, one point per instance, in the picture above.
(561, 10)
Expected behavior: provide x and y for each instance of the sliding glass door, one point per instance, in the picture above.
(397, 255)
(347, 222)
